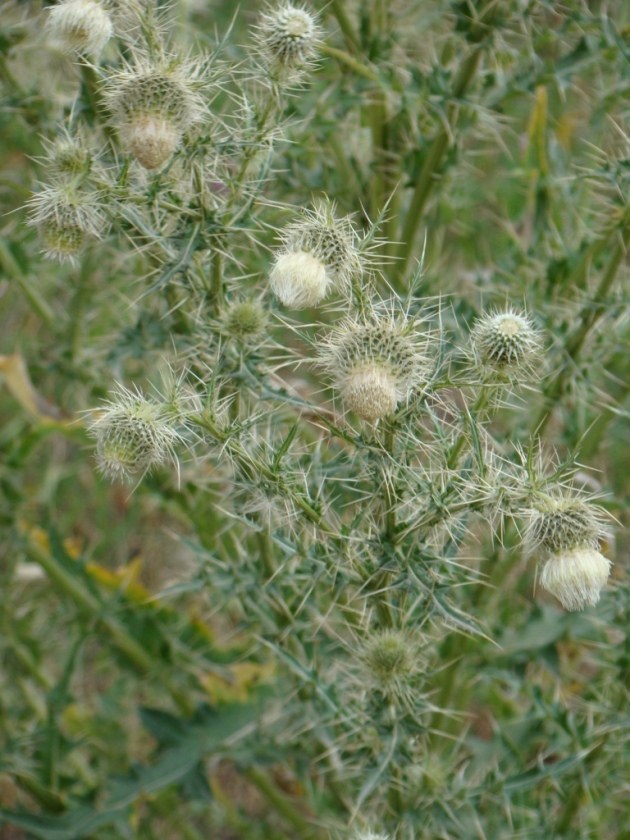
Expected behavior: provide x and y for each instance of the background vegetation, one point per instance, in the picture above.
(179, 655)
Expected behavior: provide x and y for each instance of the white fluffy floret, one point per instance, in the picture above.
(81, 26)
(299, 279)
(370, 392)
(576, 577)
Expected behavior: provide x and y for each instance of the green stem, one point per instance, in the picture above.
(591, 313)
(14, 272)
(216, 277)
(432, 163)
(354, 64)
(266, 553)
(78, 308)
(455, 450)
(378, 124)
(352, 42)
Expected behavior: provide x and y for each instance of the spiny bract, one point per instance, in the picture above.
(559, 524)
(506, 342)
(289, 36)
(319, 251)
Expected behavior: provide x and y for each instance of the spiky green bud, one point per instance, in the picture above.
(389, 658)
(67, 219)
(288, 40)
(245, 319)
(133, 435)
(506, 343)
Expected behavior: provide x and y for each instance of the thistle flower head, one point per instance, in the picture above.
(376, 363)
(153, 104)
(576, 576)
(83, 26)
(506, 343)
(288, 40)
(568, 530)
(67, 218)
(133, 435)
(319, 250)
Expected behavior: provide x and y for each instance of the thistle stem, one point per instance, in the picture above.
(591, 313)
(430, 169)
(282, 803)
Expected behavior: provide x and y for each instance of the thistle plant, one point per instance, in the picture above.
(341, 553)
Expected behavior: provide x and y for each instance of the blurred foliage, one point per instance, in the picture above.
(155, 681)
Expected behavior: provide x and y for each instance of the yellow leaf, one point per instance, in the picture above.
(244, 677)
(18, 381)
(125, 579)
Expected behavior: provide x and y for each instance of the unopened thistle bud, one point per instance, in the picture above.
(153, 106)
(568, 531)
(83, 26)
(245, 319)
(389, 658)
(70, 156)
(506, 343)
(319, 250)
(67, 220)
(376, 363)
(133, 435)
(289, 38)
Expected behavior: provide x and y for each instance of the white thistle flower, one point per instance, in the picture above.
(319, 251)
(67, 219)
(133, 435)
(83, 26)
(576, 576)
(375, 364)
(153, 105)
(568, 531)
(506, 343)
(299, 280)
